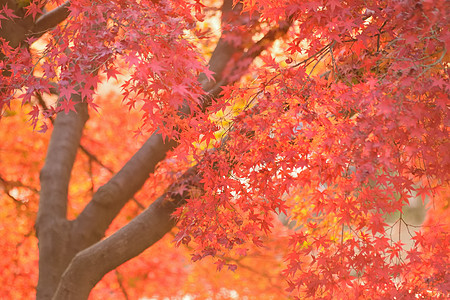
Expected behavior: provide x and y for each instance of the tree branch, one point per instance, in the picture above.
(55, 174)
(91, 224)
(8, 185)
(50, 19)
(244, 62)
(224, 51)
(90, 265)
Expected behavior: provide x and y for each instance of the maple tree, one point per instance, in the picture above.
(277, 141)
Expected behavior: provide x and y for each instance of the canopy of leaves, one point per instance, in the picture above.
(339, 123)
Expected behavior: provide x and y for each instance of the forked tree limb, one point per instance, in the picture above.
(90, 265)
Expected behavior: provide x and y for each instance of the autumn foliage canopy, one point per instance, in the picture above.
(260, 148)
